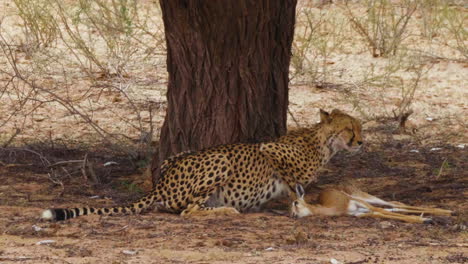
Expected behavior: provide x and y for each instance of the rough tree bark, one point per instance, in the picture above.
(228, 64)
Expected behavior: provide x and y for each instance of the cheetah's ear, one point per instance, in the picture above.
(324, 117)
(300, 191)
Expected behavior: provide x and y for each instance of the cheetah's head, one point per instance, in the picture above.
(346, 129)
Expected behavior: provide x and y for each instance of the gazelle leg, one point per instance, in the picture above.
(405, 210)
(401, 217)
(382, 213)
(371, 208)
(417, 209)
(420, 211)
(370, 199)
(426, 210)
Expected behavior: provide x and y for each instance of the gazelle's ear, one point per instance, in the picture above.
(300, 191)
(324, 117)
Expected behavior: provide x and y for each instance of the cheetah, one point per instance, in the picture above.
(234, 178)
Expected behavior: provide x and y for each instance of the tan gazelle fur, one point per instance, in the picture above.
(349, 200)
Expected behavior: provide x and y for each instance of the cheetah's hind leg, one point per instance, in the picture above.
(198, 208)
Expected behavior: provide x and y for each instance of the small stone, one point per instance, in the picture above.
(45, 242)
(385, 225)
(129, 252)
(334, 261)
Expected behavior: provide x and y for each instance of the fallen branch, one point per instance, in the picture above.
(65, 162)
(293, 118)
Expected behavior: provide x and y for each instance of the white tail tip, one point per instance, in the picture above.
(47, 215)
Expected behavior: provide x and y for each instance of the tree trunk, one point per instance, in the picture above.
(228, 63)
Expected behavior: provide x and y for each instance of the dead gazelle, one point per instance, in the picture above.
(350, 200)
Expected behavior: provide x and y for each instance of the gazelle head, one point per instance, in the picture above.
(299, 207)
(346, 129)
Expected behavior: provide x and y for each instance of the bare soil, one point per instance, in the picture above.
(389, 171)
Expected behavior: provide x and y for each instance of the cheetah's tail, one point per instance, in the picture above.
(60, 214)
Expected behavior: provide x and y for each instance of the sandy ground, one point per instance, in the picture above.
(395, 173)
(426, 165)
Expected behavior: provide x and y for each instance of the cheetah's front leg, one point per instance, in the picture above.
(283, 158)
